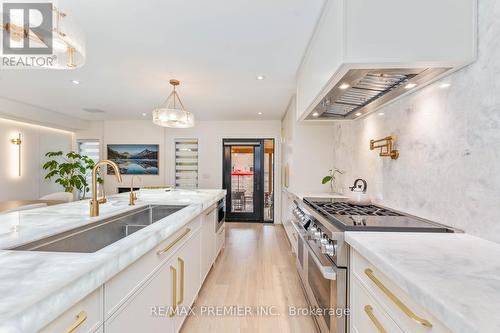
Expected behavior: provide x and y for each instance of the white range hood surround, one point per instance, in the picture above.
(359, 42)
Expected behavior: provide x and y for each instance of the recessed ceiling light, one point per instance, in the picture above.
(444, 85)
(381, 113)
(260, 113)
(344, 86)
(358, 114)
(315, 114)
(144, 114)
(75, 81)
(410, 85)
(260, 77)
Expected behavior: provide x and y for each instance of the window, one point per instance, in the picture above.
(92, 149)
(186, 163)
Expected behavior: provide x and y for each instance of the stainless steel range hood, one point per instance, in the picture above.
(362, 91)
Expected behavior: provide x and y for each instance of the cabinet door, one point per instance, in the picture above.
(366, 313)
(83, 317)
(149, 310)
(188, 277)
(208, 241)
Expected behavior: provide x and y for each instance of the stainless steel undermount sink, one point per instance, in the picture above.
(95, 236)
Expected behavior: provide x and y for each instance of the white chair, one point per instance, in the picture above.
(25, 207)
(59, 196)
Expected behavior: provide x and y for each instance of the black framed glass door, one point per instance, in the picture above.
(243, 179)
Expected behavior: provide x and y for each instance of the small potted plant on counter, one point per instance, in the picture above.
(331, 178)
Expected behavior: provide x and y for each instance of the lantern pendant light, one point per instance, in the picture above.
(172, 112)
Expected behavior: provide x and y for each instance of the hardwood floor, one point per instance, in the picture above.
(256, 268)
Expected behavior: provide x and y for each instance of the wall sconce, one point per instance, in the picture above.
(17, 141)
(386, 148)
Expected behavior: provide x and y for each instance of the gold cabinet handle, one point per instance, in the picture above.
(171, 245)
(80, 318)
(395, 300)
(371, 315)
(181, 265)
(174, 291)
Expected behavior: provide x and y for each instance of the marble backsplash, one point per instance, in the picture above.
(449, 142)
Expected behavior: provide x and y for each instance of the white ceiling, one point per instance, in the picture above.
(215, 48)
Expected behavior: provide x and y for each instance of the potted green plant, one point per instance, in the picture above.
(71, 171)
(331, 178)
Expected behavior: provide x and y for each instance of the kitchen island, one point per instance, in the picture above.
(38, 287)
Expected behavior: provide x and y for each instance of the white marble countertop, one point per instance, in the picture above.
(302, 195)
(456, 277)
(37, 287)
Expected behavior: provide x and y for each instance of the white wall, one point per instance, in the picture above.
(36, 141)
(449, 141)
(307, 151)
(209, 135)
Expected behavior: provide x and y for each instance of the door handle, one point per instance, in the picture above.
(173, 271)
(181, 265)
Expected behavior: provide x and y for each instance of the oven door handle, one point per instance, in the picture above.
(327, 271)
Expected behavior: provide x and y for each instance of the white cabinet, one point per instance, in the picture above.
(128, 281)
(154, 293)
(208, 240)
(388, 303)
(188, 263)
(84, 317)
(149, 309)
(221, 239)
(366, 313)
(360, 34)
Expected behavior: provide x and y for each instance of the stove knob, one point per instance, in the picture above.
(313, 229)
(324, 242)
(331, 248)
(317, 234)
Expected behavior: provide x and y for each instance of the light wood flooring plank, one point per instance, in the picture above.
(256, 268)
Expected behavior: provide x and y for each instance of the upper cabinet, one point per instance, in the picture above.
(364, 54)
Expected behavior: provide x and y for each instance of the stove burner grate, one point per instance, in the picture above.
(345, 208)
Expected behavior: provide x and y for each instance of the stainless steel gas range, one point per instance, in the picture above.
(323, 254)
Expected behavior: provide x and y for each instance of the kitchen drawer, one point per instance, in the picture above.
(387, 293)
(291, 233)
(84, 317)
(221, 238)
(366, 314)
(128, 281)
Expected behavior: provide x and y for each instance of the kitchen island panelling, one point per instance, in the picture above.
(37, 287)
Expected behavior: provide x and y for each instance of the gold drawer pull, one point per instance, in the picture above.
(395, 300)
(181, 265)
(80, 318)
(174, 291)
(371, 315)
(171, 245)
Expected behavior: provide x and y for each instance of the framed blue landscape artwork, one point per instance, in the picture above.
(135, 159)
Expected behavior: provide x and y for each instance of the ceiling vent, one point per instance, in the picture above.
(93, 110)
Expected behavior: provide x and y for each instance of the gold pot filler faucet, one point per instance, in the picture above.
(94, 202)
